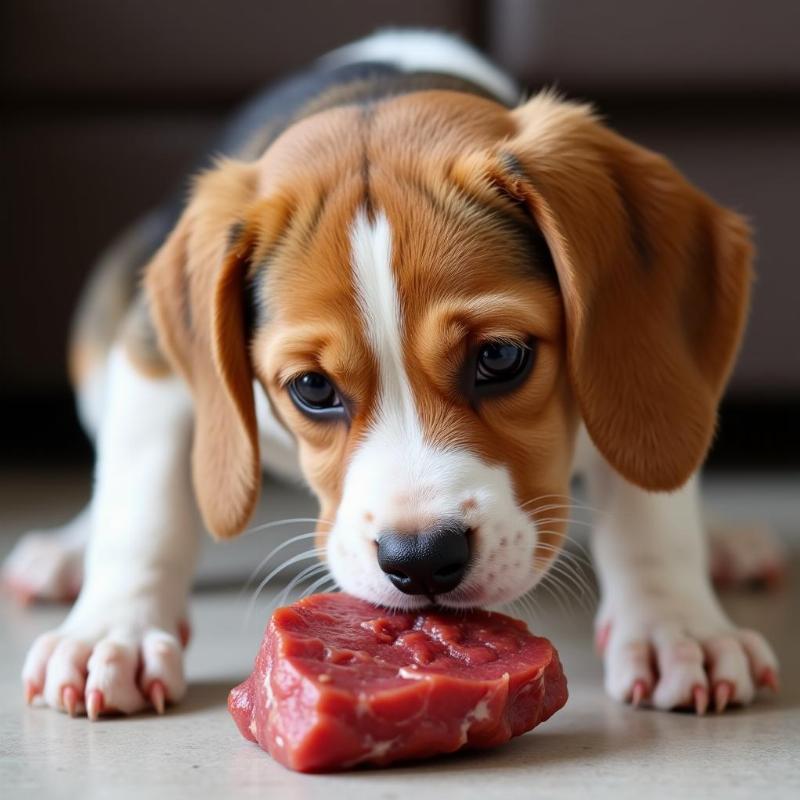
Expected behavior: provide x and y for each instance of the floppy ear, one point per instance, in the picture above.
(655, 279)
(195, 287)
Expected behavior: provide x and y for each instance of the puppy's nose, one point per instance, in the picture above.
(429, 562)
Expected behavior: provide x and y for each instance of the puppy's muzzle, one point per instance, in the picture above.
(429, 562)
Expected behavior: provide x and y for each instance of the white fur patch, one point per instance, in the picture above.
(398, 480)
(380, 309)
(658, 606)
(91, 398)
(122, 633)
(429, 51)
(143, 509)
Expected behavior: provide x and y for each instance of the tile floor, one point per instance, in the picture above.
(592, 748)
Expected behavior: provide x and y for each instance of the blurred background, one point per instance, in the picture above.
(106, 105)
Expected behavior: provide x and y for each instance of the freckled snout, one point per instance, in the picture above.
(429, 562)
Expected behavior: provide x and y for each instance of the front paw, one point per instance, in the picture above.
(106, 667)
(692, 659)
(745, 555)
(44, 565)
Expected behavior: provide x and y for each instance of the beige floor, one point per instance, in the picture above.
(592, 748)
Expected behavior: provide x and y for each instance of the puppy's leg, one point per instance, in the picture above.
(48, 564)
(662, 632)
(745, 554)
(119, 648)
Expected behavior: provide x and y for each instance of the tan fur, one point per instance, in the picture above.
(195, 288)
(653, 291)
(655, 278)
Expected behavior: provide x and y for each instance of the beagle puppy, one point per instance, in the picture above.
(434, 301)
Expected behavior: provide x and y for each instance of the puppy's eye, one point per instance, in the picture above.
(315, 395)
(502, 366)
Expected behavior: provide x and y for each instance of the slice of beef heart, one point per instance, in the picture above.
(338, 682)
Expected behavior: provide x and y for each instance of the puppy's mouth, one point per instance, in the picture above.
(455, 561)
(461, 597)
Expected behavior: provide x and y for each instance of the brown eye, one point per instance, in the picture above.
(315, 395)
(502, 366)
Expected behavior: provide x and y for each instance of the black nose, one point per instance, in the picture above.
(430, 562)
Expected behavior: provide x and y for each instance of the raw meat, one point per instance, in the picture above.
(338, 682)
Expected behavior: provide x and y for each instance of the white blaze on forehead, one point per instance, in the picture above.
(379, 304)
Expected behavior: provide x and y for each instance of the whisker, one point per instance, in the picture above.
(293, 560)
(569, 540)
(577, 570)
(569, 521)
(554, 507)
(305, 574)
(575, 601)
(274, 551)
(318, 585)
(290, 521)
(547, 496)
(514, 608)
(551, 591)
(528, 606)
(565, 553)
(571, 503)
(584, 592)
(566, 591)
(533, 604)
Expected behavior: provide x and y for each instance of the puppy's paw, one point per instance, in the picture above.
(684, 661)
(113, 668)
(45, 565)
(745, 555)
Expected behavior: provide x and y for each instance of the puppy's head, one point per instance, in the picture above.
(441, 290)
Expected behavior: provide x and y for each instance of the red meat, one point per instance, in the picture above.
(338, 682)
